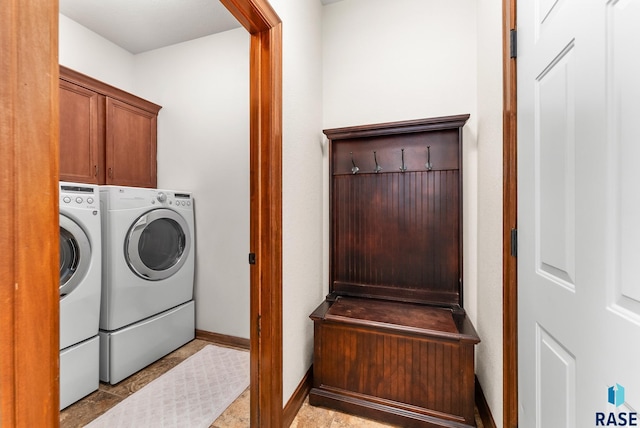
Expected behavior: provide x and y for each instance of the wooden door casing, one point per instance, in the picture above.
(29, 228)
(509, 220)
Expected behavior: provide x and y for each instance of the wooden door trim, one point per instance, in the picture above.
(29, 226)
(265, 27)
(510, 217)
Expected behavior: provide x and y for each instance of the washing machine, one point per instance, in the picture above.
(80, 290)
(147, 307)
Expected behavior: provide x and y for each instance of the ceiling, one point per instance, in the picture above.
(143, 25)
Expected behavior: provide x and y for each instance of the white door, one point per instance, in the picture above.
(578, 213)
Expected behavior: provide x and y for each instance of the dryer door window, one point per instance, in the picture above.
(75, 255)
(157, 244)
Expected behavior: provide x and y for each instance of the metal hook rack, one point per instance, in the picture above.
(403, 168)
(354, 169)
(378, 168)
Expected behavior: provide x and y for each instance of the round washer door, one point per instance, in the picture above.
(157, 244)
(75, 255)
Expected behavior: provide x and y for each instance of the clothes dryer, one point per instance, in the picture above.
(147, 307)
(80, 289)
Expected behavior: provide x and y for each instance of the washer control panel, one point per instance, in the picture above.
(79, 196)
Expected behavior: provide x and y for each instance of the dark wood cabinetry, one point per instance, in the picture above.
(81, 134)
(392, 340)
(107, 136)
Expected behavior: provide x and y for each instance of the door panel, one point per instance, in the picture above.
(554, 169)
(578, 205)
(79, 133)
(556, 387)
(624, 70)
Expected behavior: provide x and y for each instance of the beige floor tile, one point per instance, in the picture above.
(235, 416)
(310, 416)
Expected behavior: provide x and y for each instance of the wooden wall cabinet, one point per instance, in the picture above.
(107, 136)
(392, 340)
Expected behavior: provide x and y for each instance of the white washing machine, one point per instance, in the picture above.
(80, 284)
(147, 307)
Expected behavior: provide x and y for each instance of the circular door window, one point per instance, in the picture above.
(157, 244)
(75, 255)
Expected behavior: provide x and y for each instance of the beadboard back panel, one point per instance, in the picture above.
(396, 199)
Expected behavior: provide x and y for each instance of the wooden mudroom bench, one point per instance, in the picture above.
(392, 341)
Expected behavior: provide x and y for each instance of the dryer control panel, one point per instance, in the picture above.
(172, 199)
(79, 196)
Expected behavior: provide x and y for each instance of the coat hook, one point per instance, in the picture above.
(403, 168)
(428, 165)
(355, 169)
(378, 167)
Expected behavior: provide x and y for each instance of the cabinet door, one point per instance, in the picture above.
(131, 135)
(81, 134)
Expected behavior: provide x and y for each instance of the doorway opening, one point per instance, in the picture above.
(29, 165)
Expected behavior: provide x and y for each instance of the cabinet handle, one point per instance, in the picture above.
(96, 170)
(110, 172)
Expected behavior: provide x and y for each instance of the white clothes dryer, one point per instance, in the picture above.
(147, 307)
(80, 289)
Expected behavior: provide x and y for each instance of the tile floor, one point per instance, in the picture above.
(236, 415)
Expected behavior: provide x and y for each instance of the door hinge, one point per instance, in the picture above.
(513, 43)
(514, 242)
(252, 258)
(259, 325)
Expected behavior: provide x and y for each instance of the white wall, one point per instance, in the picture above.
(203, 147)
(398, 60)
(302, 204)
(385, 61)
(489, 321)
(89, 53)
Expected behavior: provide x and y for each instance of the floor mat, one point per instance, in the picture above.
(192, 394)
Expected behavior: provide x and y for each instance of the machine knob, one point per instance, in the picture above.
(161, 197)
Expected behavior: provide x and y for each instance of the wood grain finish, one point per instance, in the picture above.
(81, 134)
(395, 316)
(483, 407)
(294, 404)
(130, 146)
(265, 27)
(392, 342)
(223, 339)
(397, 236)
(510, 221)
(107, 135)
(29, 230)
(410, 361)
